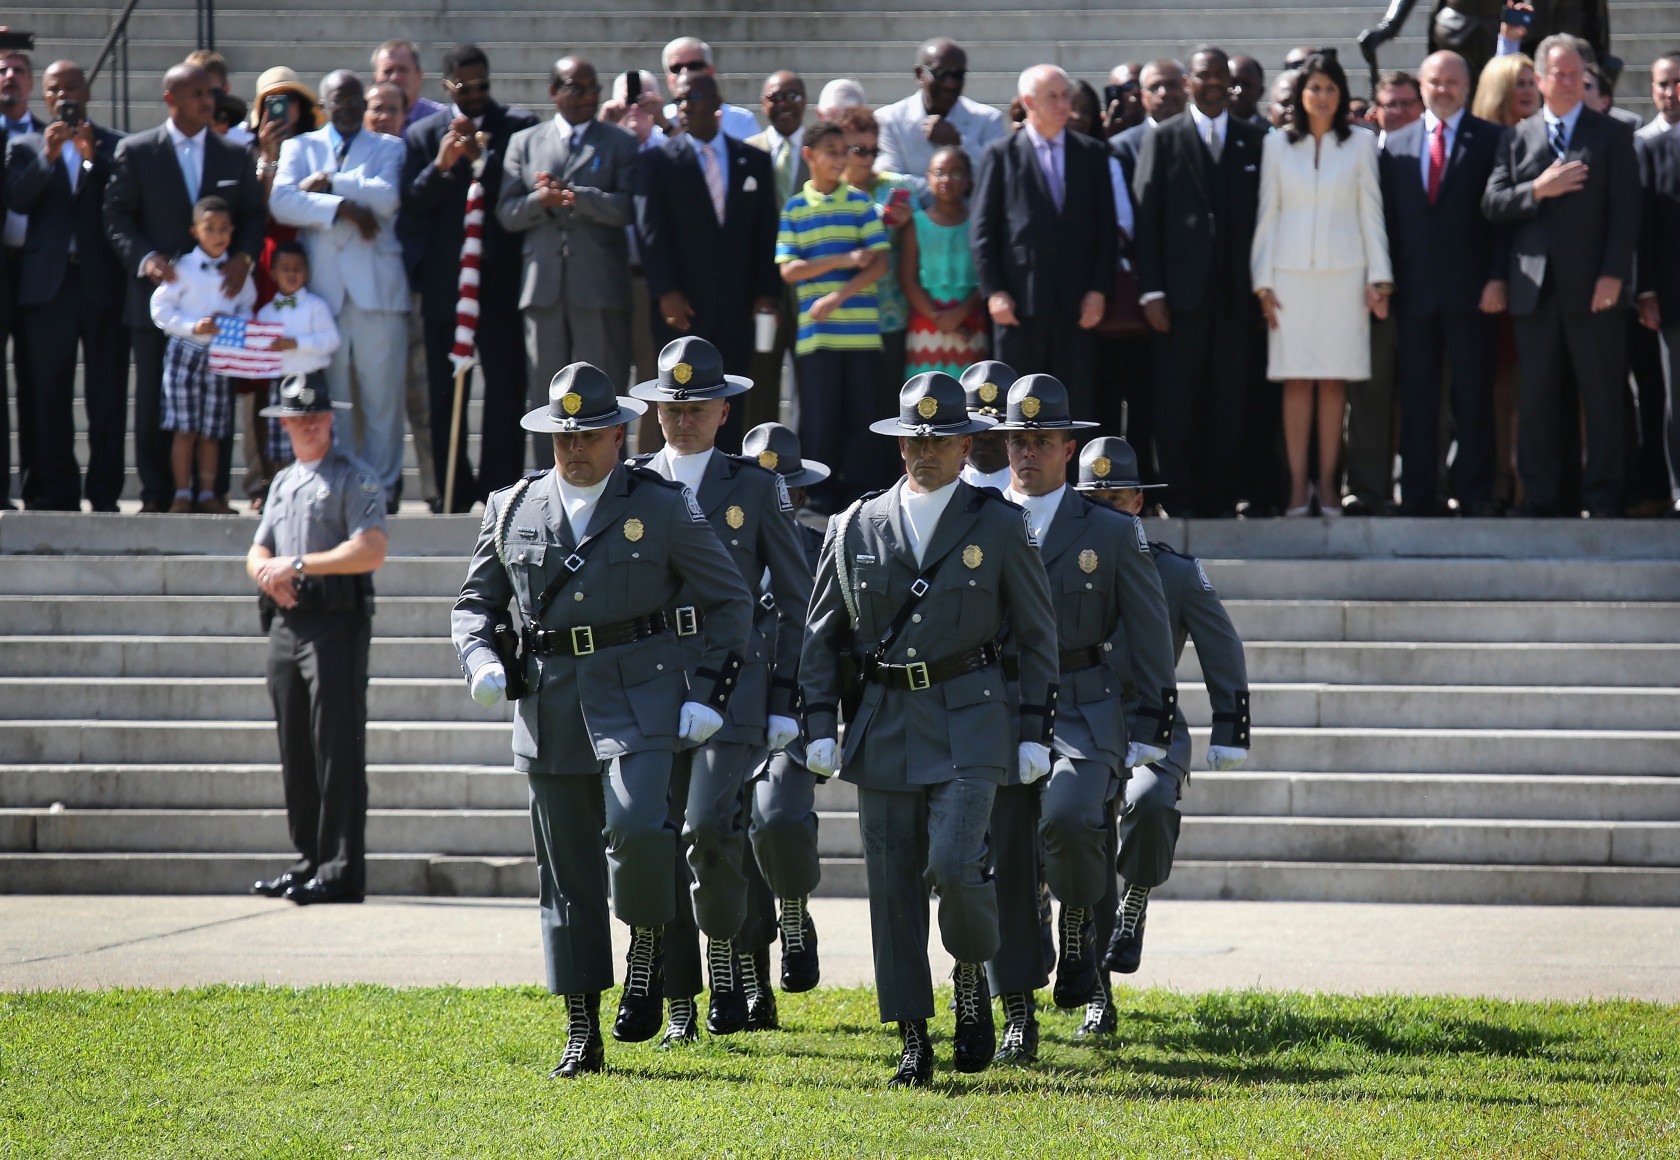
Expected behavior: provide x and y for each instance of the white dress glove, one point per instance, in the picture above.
(820, 757)
(782, 732)
(1034, 761)
(1225, 756)
(1137, 753)
(698, 722)
(489, 683)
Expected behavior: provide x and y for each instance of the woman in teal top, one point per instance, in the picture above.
(936, 270)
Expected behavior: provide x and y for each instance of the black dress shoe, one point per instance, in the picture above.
(680, 1030)
(642, 1003)
(1076, 969)
(915, 1062)
(761, 996)
(975, 1041)
(1125, 949)
(584, 1052)
(1354, 506)
(1020, 1030)
(315, 892)
(277, 887)
(1100, 1017)
(727, 1012)
(800, 969)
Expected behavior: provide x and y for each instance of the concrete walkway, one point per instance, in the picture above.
(86, 942)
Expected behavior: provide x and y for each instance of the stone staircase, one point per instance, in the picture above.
(871, 42)
(1461, 711)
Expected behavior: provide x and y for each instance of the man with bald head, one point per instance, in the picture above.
(1248, 90)
(1161, 89)
(690, 56)
(1448, 287)
(936, 115)
(156, 177)
(1045, 239)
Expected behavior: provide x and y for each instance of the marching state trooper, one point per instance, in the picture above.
(1111, 621)
(914, 587)
(985, 391)
(781, 794)
(591, 555)
(749, 508)
(321, 538)
(1149, 816)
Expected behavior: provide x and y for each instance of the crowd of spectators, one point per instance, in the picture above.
(1272, 287)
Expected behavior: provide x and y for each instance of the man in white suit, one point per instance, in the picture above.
(341, 186)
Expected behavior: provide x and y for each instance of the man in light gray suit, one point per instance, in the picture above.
(566, 186)
(913, 588)
(341, 187)
(607, 693)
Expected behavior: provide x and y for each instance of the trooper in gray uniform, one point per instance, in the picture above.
(1111, 621)
(750, 510)
(591, 555)
(914, 588)
(321, 538)
(1149, 817)
(986, 390)
(781, 794)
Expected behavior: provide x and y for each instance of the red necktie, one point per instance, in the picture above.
(1437, 159)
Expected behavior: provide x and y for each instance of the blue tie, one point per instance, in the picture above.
(189, 172)
(1559, 139)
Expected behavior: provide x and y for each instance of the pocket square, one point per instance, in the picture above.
(227, 181)
(750, 184)
(1250, 168)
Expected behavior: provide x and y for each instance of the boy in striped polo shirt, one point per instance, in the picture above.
(832, 248)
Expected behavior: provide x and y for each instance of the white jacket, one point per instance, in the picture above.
(1324, 216)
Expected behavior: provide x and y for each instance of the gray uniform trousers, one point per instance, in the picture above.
(780, 807)
(705, 807)
(569, 817)
(922, 837)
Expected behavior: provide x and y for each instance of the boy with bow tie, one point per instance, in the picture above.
(310, 337)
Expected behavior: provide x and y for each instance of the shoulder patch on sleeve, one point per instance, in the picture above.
(1207, 585)
(782, 497)
(1026, 521)
(1142, 536)
(693, 502)
(368, 482)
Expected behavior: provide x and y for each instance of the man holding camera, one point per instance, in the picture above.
(69, 292)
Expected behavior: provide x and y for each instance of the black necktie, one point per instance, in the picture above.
(210, 264)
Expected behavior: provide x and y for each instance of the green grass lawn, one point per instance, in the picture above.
(371, 1071)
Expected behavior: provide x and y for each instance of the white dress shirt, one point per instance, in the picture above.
(687, 470)
(904, 146)
(1041, 509)
(189, 155)
(579, 503)
(310, 323)
(197, 293)
(1206, 126)
(1052, 159)
(976, 478)
(921, 511)
(1430, 120)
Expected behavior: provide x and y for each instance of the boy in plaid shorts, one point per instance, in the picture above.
(197, 405)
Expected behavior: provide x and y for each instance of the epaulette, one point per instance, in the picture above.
(1158, 548)
(640, 474)
(869, 495)
(982, 494)
(640, 460)
(533, 476)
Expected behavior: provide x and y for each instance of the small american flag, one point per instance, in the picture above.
(242, 349)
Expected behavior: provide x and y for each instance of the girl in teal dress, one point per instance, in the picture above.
(936, 270)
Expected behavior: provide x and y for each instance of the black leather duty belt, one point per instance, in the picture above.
(583, 639)
(1071, 661)
(926, 674)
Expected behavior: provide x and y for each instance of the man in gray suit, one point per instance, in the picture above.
(566, 186)
(1149, 816)
(913, 588)
(1112, 635)
(749, 508)
(607, 692)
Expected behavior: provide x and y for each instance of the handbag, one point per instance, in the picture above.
(1122, 313)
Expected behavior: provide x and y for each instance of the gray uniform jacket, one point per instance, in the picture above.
(579, 255)
(1107, 594)
(1196, 612)
(654, 542)
(313, 511)
(988, 573)
(750, 511)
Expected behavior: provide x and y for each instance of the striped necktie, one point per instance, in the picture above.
(714, 177)
(1559, 138)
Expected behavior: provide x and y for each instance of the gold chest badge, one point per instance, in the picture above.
(973, 556)
(632, 530)
(734, 517)
(1087, 561)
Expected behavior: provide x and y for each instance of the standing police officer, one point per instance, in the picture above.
(749, 509)
(1149, 818)
(1111, 621)
(321, 538)
(591, 554)
(913, 589)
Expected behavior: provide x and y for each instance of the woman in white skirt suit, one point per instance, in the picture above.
(1320, 265)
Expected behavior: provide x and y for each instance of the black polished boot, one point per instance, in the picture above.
(800, 968)
(583, 1038)
(975, 1041)
(727, 1013)
(915, 1064)
(1076, 969)
(1125, 949)
(643, 1001)
(761, 997)
(1100, 1017)
(681, 1029)
(1020, 1030)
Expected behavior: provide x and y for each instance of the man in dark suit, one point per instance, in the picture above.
(442, 150)
(70, 291)
(1449, 271)
(17, 81)
(1567, 182)
(709, 277)
(1197, 193)
(156, 177)
(1659, 263)
(1045, 238)
(1162, 93)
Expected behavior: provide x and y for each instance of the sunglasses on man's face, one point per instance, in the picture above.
(785, 98)
(863, 151)
(467, 86)
(941, 75)
(683, 66)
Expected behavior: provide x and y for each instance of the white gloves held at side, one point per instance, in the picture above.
(782, 732)
(1137, 753)
(489, 684)
(821, 758)
(1225, 757)
(698, 722)
(1034, 761)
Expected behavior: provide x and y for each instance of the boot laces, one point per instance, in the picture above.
(968, 992)
(1132, 908)
(1096, 1008)
(915, 1046)
(577, 1029)
(682, 1017)
(750, 983)
(720, 953)
(1017, 1010)
(639, 977)
(793, 925)
(1073, 930)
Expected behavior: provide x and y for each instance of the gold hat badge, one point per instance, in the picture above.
(682, 372)
(1029, 407)
(988, 392)
(1101, 466)
(928, 407)
(768, 459)
(572, 402)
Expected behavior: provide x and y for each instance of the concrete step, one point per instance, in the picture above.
(1424, 663)
(1432, 795)
(105, 542)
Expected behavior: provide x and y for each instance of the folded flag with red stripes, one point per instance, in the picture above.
(466, 303)
(243, 349)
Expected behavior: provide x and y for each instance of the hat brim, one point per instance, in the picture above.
(1066, 425)
(1109, 485)
(543, 421)
(653, 391)
(281, 411)
(810, 473)
(974, 426)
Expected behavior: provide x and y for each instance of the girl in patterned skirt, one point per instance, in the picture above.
(936, 269)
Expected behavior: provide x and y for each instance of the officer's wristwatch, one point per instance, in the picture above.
(297, 567)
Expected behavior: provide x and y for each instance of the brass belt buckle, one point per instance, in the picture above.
(688, 620)
(583, 645)
(918, 674)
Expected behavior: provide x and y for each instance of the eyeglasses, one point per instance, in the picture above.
(792, 98)
(941, 75)
(863, 151)
(580, 89)
(467, 86)
(683, 66)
